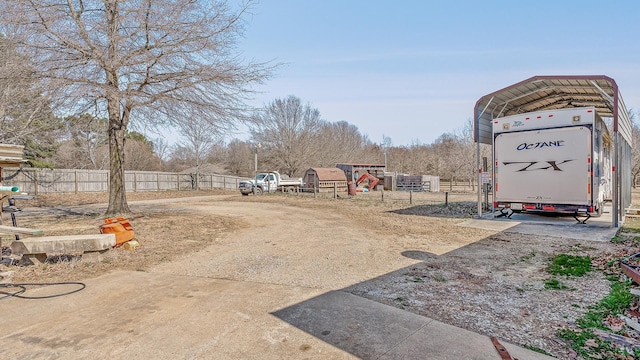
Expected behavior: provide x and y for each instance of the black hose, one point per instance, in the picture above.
(22, 287)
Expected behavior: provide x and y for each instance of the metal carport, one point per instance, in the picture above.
(556, 92)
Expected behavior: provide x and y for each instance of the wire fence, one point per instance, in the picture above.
(417, 198)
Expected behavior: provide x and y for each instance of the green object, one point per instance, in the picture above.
(9, 188)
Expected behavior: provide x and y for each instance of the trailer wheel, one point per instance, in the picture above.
(291, 189)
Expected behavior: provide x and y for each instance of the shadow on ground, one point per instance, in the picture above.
(351, 320)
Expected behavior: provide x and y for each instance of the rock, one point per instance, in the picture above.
(591, 343)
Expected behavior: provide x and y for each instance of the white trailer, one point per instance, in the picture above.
(556, 161)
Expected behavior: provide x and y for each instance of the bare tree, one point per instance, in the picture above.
(179, 158)
(467, 153)
(448, 157)
(25, 115)
(144, 60)
(339, 142)
(89, 138)
(199, 138)
(286, 129)
(141, 157)
(160, 148)
(239, 159)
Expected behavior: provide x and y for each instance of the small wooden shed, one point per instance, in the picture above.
(325, 179)
(11, 155)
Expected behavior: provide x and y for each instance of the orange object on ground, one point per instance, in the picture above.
(373, 181)
(120, 227)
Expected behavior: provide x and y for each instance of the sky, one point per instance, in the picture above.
(412, 70)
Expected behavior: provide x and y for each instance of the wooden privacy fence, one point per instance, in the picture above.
(42, 181)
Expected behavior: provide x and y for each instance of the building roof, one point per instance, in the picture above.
(329, 174)
(11, 155)
(549, 93)
(362, 165)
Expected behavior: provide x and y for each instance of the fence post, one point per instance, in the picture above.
(75, 180)
(382, 195)
(178, 181)
(135, 182)
(410, 197)
(224, 182)
(35, 181)
(446, 198)
(335, 190)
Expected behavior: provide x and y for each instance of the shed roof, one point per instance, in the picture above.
(329, 174)
(362, 165)
(11, 155)
(549, 93)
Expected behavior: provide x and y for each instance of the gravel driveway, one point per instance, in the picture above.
(291, 249)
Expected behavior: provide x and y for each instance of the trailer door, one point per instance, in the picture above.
(547, 166)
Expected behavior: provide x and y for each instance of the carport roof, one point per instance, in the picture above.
(553, 92)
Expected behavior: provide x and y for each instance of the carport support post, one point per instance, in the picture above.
(479, 175)
(616, 178)
(485, 186)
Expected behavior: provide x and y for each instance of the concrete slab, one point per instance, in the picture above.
(491, 225)
(370, 330)
(361, 327)
(67, 244)
(573, 230)
(20, 230)
(596, 228)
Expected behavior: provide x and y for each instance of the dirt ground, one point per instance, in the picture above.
(414, 257)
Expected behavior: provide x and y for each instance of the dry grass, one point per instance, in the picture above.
(162, 232)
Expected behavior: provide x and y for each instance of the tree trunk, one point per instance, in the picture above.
(117, 194)
(117, 130)
(117, 121)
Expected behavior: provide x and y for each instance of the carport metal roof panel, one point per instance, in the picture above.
(549, 93)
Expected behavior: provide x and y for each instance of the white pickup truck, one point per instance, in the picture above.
(270, 182)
